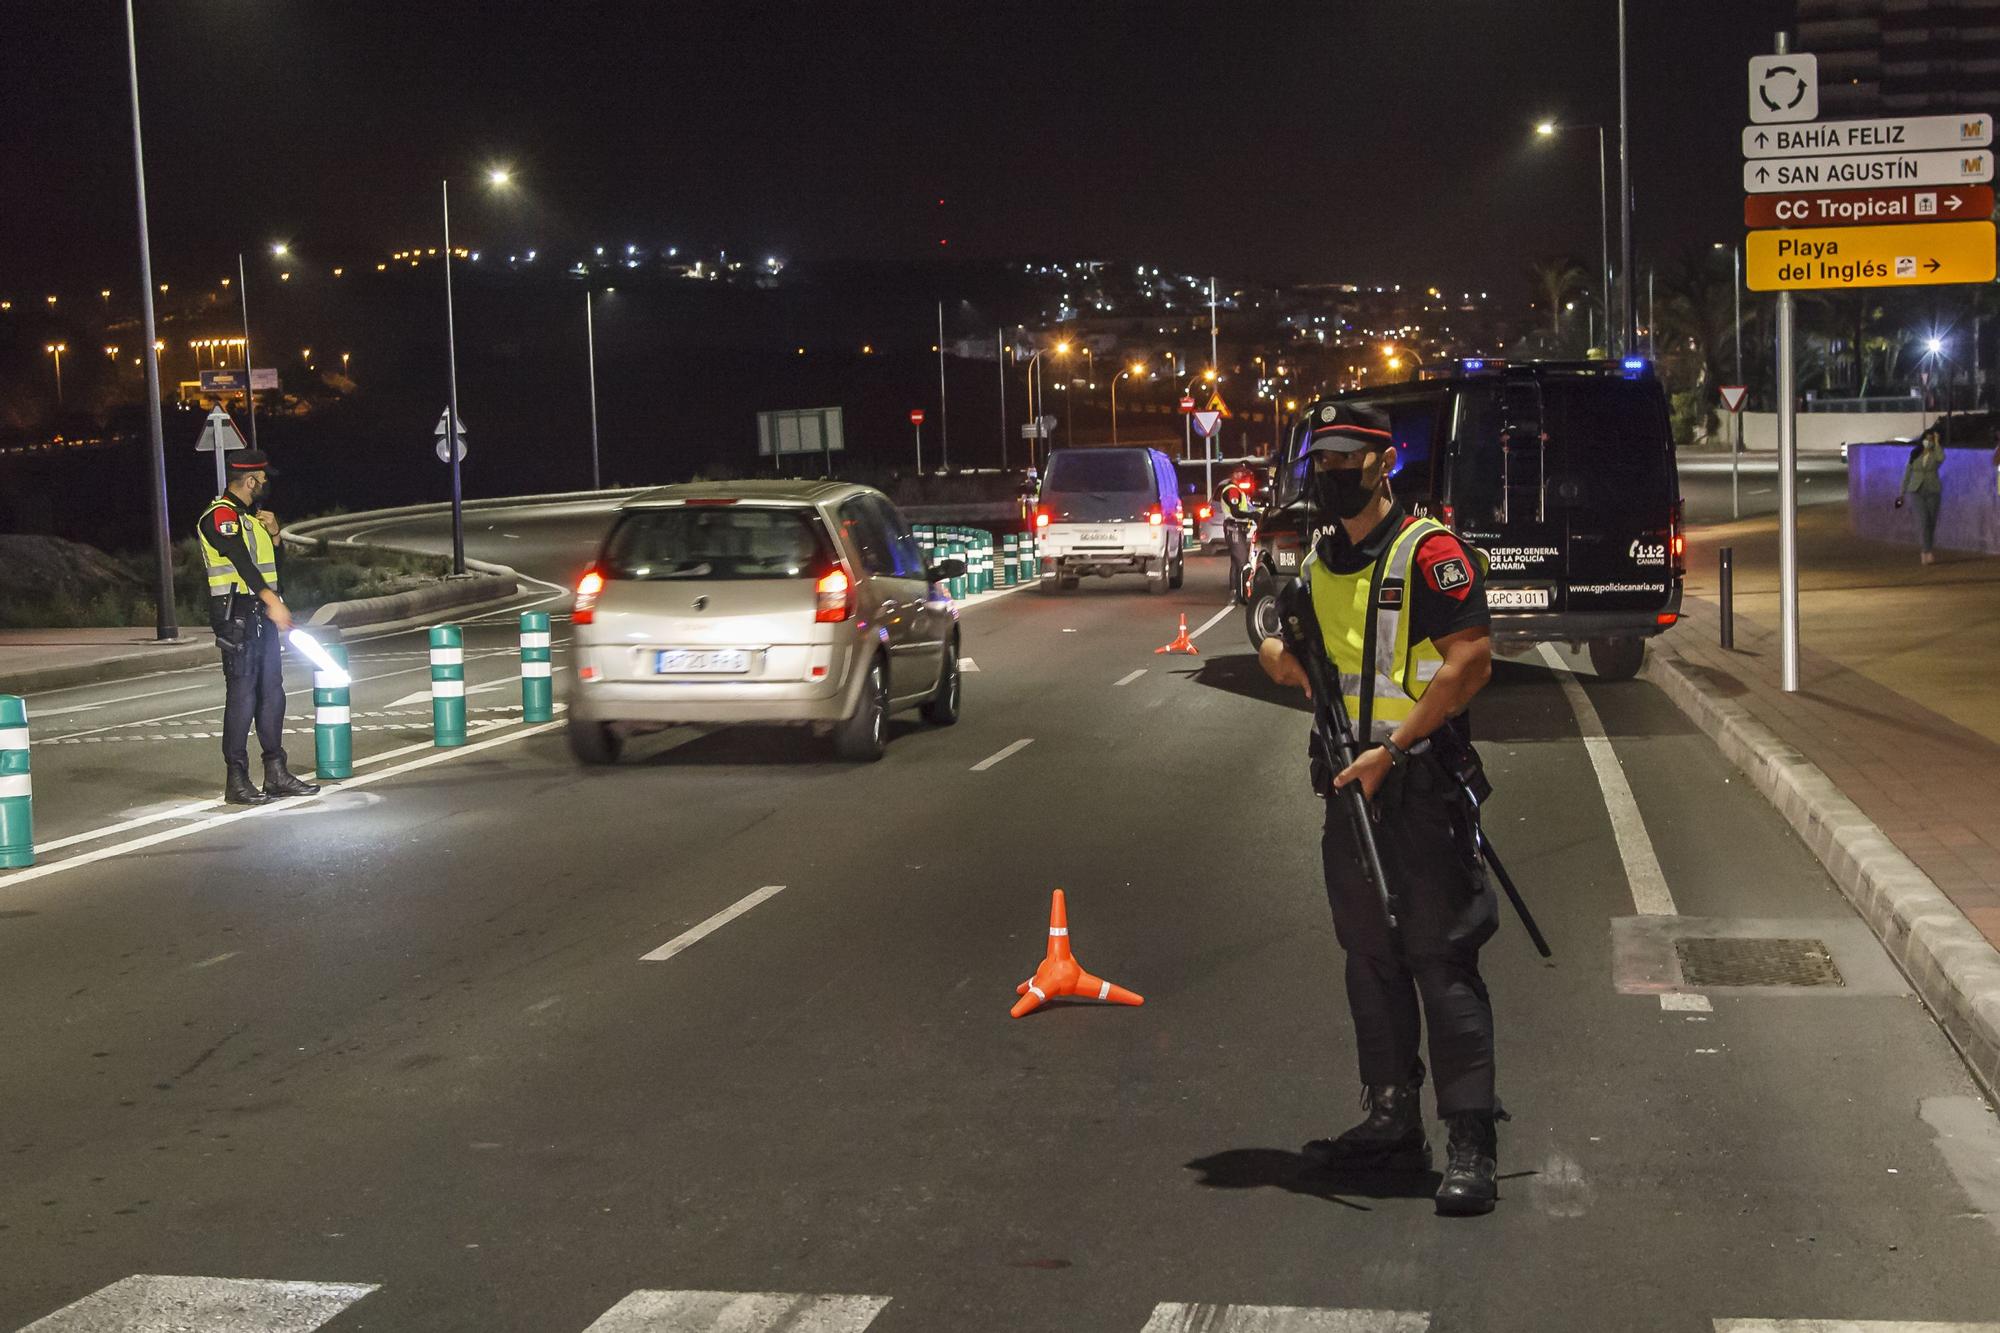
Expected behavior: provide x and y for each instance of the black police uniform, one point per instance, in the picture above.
(1239, 512)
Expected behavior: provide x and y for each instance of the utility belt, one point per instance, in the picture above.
(239, 621)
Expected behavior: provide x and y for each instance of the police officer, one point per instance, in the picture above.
(1400, 609)
(1239, 512)
(239, 547)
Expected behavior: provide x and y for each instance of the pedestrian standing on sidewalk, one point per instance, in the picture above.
(1921, 479)
(239, 547)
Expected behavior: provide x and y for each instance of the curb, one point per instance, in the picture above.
(370, 611)
(1948, 962)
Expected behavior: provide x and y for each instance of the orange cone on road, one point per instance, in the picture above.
(1061, 974)
(1182, 643)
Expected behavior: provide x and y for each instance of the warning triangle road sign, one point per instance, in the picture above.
(220, 431)
(1733, 395)
(443, 418)
(1205, 423)
(1215, 404)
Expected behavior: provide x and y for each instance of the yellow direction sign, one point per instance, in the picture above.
(1911, 255)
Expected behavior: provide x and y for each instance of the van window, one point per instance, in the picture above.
(1620, 448)
(715, 542)
(1120, 471)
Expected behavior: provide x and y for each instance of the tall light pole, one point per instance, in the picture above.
(497, 176)
(1625, 189)
(163, 551)
(944, 410)
(1035, 400)
(56, 350)
(1549, 129)
(590, 344)
(1000, 360)
(1132, 370)
(243, 301)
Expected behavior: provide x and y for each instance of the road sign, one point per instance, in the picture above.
(1215, 403)
(263, 377)
(1774, 176)
(458, 438)
(1048, 424)
(444, 419)
(1034, 430)
(1784, 88)
(1852, 208)
(1733, 395)
(1187, 403)
(811, 430)
(221, 381)
(1907, 135)
(219, 430)
(1205, 423)
(1911, 255)
(916, 416)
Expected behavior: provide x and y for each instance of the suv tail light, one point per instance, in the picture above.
(1676, 539)
(833, 604)
(1155, 517)
(1203, 512)
(588, 589)
(1041, 516)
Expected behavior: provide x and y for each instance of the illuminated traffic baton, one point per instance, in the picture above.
(447, 686)
(323, 661)
(17, 793)
(333, 729)
(537, 689)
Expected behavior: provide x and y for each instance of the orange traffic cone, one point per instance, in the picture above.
(1182, 643)
(1061, 974)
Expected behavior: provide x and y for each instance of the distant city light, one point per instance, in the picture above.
(499, 176)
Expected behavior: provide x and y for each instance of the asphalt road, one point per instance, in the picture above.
(402, 1037)
(1706, 484)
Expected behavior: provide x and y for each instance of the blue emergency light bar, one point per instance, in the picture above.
(1635, 366)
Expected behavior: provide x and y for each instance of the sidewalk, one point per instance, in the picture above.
(1897, 708)
(45, 659)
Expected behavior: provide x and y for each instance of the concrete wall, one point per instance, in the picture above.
(1825, 432)
(1968, 520)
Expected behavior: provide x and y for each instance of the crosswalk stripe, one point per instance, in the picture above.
(1174, 1317)
(1848, 1326)
(738, 1312)
(152, 1304)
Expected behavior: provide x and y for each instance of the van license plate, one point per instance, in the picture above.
(1098, 538)
(1526, 599)
(689, 662)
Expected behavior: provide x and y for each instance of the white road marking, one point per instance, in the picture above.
(1848, 1326)
(710, 926)
(738, 1312)
(1206, 626)
(13, 877)
(424, 696)
(1127, 680)
(967, 664)
(149, 1304)
(993, 759)
(1173, 1317)
(1635, 847)
(219, 958)
(1685, 1002)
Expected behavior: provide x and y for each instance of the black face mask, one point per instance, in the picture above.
(1342, 492)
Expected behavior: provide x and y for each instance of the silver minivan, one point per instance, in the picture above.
(795, 602)
(1110, 511)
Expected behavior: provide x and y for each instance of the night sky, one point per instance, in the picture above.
(1370, 142)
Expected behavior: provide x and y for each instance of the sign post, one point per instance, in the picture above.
(917, 420)
(1732, 398)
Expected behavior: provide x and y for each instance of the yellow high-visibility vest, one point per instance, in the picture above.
(222, 575)
(1402, 669)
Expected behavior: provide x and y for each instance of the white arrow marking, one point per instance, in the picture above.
(423, 696)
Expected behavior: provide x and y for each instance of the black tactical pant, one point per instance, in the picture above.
(1447, 910)
(253, 676)
(1238, 536)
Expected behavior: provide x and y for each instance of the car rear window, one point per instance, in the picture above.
(715, 542)
(1617, 435)
(1118, 471)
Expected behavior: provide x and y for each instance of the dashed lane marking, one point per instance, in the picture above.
(738, 1312)
(1001, 754)
(204, 1305)
(1210, 623)
(1848, 1326)
(1179, 1318)
(1128, 679)
(1685, 1002)
(219, 958)
(704, 930)
(14, 877)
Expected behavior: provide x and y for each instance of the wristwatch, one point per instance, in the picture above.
(1397, 754)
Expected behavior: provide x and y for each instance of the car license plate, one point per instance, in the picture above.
(1526, 599)
(1286, 559)
(1098, 538)
(701, 662)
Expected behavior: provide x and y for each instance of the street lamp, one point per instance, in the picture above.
(1548, 129)
(1132, 371)
(1035, 403)
(280, 250)
(56, 350)
(590, 354)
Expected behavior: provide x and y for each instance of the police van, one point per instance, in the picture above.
(1563, 473)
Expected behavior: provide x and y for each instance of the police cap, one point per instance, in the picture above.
(1346, 428)
(250, 460)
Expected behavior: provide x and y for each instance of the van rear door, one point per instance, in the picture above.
(1617, 490)
(1502, 461)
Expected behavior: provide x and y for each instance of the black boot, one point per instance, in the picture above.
(1390, 1139)
(1468, 1187)
(239, 790)
(280, 781)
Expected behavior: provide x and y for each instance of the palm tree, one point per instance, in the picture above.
(1556, 281)
(1697, 333)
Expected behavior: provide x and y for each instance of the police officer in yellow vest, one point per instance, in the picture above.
(1239, 510)
(1400, 607)
(239, 546)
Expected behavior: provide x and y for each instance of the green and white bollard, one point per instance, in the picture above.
(17, 792)
(538, 696)
(333, 722)
(447, 686)
(1008, 573)
(958, 585)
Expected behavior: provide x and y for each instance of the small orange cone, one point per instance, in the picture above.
(1182, 643)
(1061, 974)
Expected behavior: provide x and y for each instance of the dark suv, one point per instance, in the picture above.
(1563, 473)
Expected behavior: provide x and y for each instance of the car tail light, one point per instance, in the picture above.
(1155, 517)
(588, 589)
(1668, 618)
(1203, 512)
(1041, 516)
(1680, 546)
(833, 604)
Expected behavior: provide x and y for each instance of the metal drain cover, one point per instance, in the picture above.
(1710, 961)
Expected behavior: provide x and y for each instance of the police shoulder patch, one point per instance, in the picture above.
(1448, 575)
(226, 527)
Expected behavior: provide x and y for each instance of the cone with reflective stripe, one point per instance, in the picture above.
(17, 795)
(537, 689)
(447, 686)
(1060, 973)
(1182, 643)
(333, 730)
